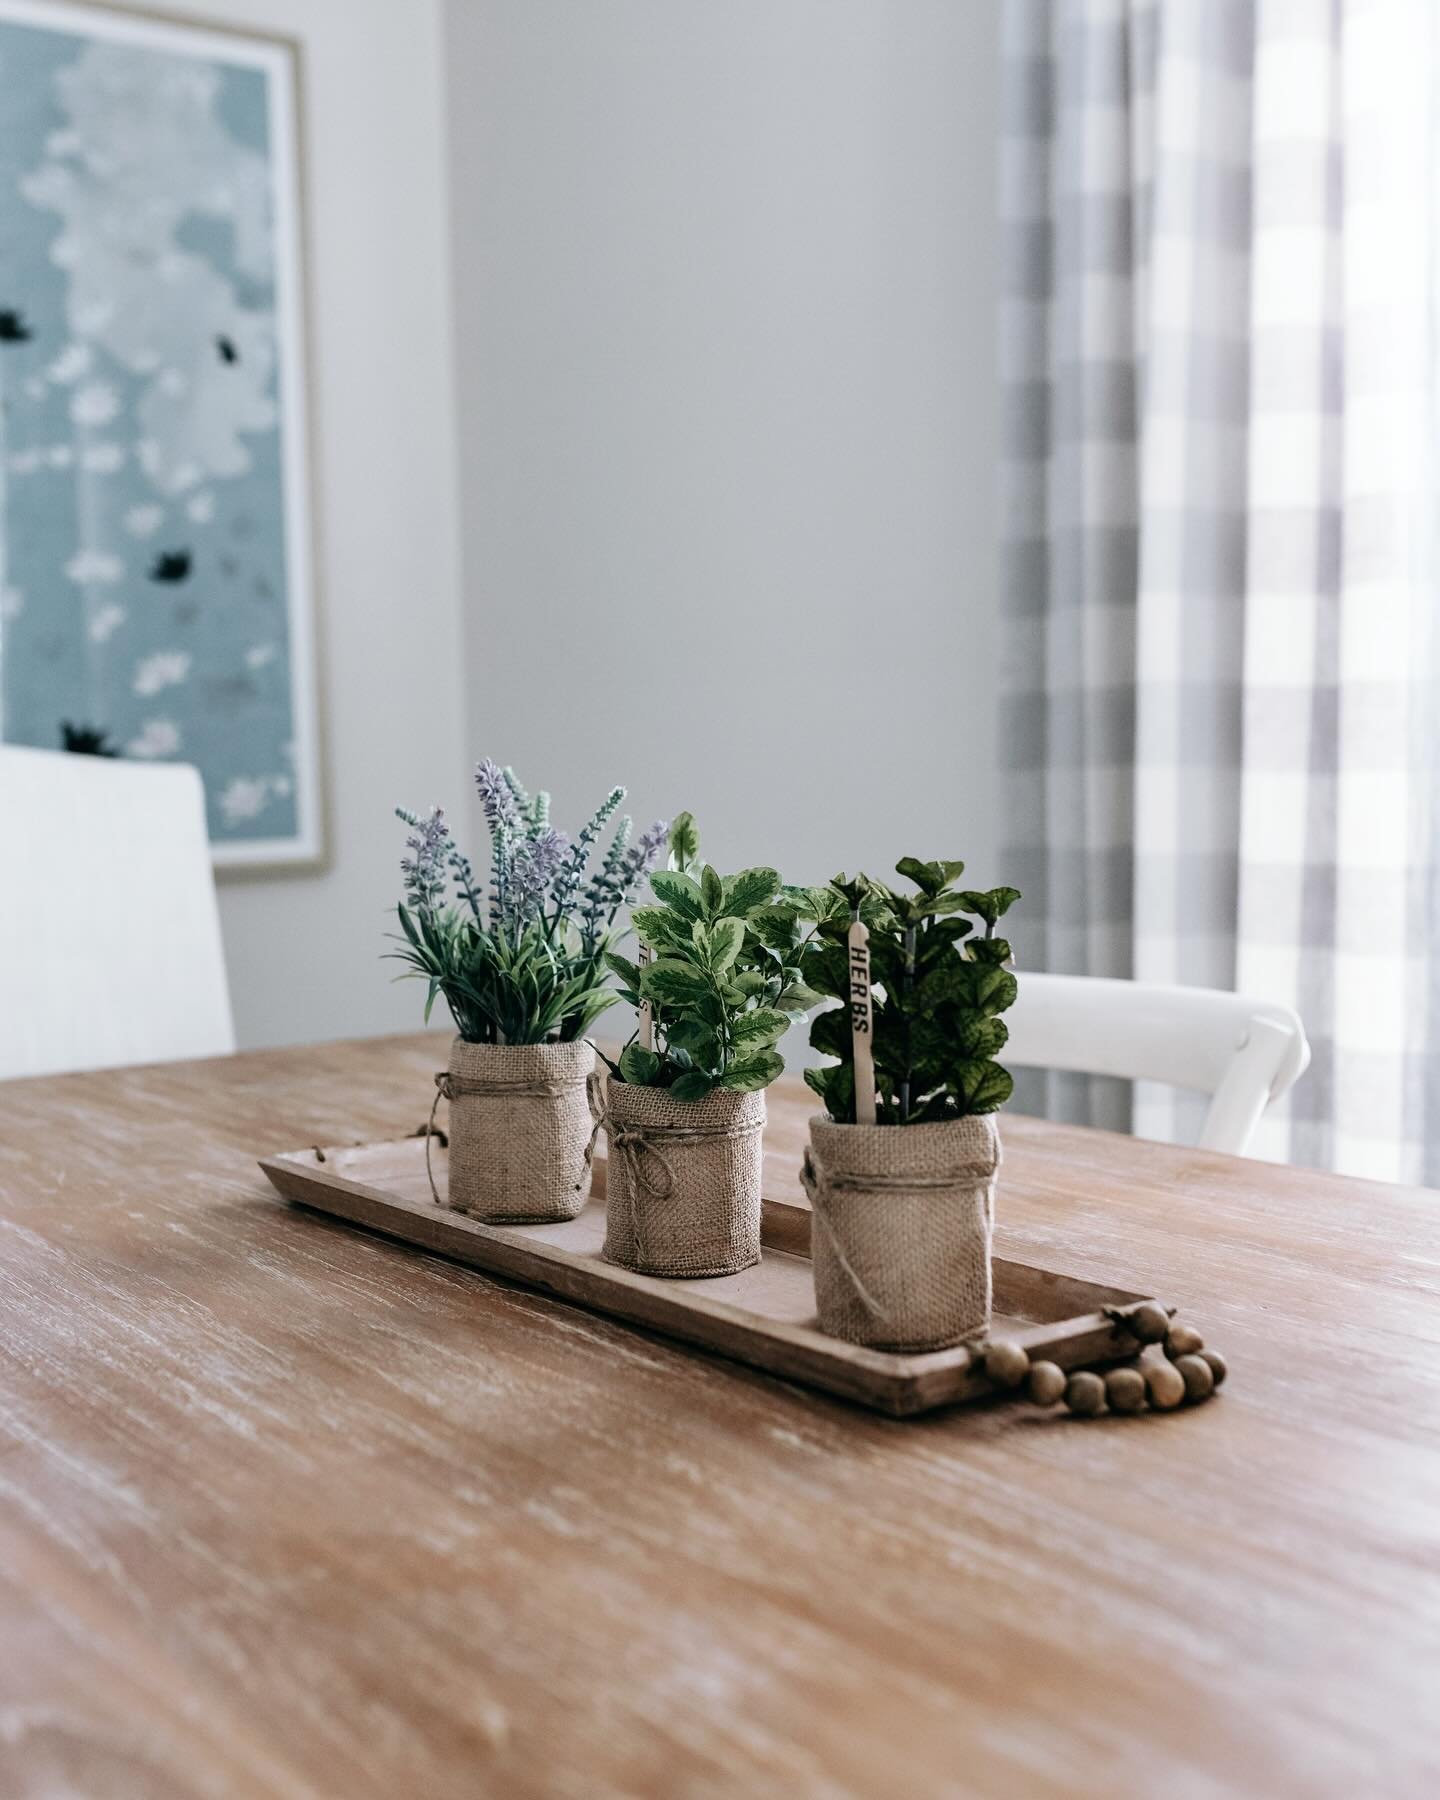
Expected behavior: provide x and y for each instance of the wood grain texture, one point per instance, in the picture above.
(287, 1509)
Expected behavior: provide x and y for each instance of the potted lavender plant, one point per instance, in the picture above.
(685, 1108)
(901, 1167)
(523, 971)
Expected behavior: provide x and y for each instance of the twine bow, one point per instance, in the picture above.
(648, 1166)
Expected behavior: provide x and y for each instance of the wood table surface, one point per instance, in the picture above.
(286, 1509)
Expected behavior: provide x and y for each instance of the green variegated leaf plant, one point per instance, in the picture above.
(937, 992)
(725, 982)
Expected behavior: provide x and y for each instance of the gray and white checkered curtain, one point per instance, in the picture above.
(1221, 710)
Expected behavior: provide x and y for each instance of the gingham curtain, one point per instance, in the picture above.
(1221, 709)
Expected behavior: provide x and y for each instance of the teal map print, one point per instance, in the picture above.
(145, 576)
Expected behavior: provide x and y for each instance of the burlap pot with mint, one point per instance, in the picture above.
(901, 1230)
(519, 1130)
(683, 1180)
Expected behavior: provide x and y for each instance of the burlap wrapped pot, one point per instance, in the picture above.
(683, 1180)
(519, 1130)
(900, 1237)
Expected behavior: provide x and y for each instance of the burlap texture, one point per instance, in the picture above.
(680, 1204)
(519, 1130)
(910, 1210)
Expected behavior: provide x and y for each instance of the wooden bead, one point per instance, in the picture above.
(1084, 1393)
(1218, 1367)
(1183, 1340)
(1006, 1364)
(1125, 1390)
(1198, 1377)
(1149, 1322)
(1165, 1385)
(1045, 1383)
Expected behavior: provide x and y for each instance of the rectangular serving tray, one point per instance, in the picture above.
(764, 1316)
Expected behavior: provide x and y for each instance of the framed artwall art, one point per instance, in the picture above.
(155, 535)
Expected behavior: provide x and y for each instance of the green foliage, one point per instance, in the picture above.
(936, 993)
(502, 987)
(725, 983)
(528, 966)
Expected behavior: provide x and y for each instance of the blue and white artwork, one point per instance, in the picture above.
(154, 540)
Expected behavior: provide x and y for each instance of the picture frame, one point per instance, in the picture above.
(157, 578)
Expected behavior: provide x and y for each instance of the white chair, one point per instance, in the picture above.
(1242, 1053)
(110, 945)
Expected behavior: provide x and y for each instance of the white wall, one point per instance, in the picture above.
(724, 295)
(303, 949)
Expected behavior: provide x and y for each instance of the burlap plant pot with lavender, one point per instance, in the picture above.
(901, 1230)
(519, 1130)
(682, 1181)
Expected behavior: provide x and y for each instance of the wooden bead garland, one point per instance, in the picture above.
(1186, 1372)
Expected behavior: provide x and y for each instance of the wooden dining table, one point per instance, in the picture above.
(290, 1509)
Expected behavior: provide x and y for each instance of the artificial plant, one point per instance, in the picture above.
(937, 991)
(725, 984)
(525, 963)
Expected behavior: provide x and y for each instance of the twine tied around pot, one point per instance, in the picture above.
(901, 1222)
(685, 1178)
(635, 1143)
(449, 1086)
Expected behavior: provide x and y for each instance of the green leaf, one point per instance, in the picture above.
(777, 927)
(836, 1088)
(679, 893)
(984, 1086)
(749, 889)
(990, 950)
(696, 1038)
(795, 997)
(995, 990)
(748, 983)
(929, 877)
(939, 904)
(759, 1027)
(693, 1085)
(684, 841)
(991, 905)
(727, 936)
(830, 1032)
(628, 971)
(753, 1072)
(712, 892)
(659, 928)
(638, 1066)
(670, 982)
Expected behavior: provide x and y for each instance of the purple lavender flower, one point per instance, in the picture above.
(641, 859)
(532, 869)
(424, 872)
(497, 797)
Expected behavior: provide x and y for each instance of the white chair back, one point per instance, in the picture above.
(110, 947)
(1242, 1053)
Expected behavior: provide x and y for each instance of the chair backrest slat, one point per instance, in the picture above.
(1242, 1053)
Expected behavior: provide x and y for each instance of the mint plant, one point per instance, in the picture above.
(524, 964)
(725, 984)
(937, 991)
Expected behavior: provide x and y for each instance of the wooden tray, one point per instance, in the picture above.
(764, 1316)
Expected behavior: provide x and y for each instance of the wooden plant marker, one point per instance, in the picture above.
(644, 956)
(862, 1020)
